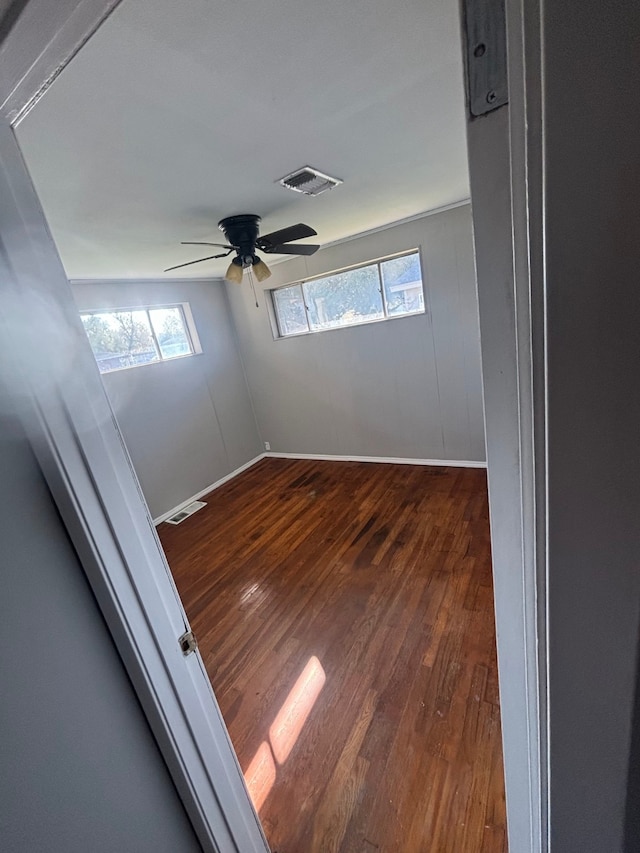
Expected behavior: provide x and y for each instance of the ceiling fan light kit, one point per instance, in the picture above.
(235, 272)
(242, 234)
(261, 270)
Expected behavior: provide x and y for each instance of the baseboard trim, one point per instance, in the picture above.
(394, 460)
(216, 485)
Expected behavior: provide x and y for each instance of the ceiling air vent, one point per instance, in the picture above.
(180, 516)
(309, 181)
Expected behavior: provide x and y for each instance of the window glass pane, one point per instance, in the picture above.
(120, 339)
(344, 299)
(168, 325)
(402, 281)
(290, 310)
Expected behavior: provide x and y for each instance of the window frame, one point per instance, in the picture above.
(188, 325)
(376, 262)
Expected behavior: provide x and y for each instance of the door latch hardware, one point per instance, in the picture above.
(188, 643)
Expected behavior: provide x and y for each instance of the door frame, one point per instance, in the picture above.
(505, 149)
(69, 422)
(57, 391)
(80, 449)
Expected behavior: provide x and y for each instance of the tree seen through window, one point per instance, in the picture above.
(138, 336)
(389, 288)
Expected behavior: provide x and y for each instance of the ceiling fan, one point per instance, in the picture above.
(242, 238)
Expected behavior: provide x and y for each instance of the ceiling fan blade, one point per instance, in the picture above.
(220, 245)
(292, 249)
(286, 235)
(199, 261)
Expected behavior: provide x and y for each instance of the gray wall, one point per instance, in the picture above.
(592, 257)
(80, 768)
(408, 387)
(186, 422)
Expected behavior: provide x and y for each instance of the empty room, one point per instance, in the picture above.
(264, 215)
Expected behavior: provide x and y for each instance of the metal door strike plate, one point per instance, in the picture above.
(485, 55)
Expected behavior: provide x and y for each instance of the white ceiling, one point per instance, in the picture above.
(180, 112)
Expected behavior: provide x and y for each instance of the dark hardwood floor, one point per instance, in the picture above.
(344, 612)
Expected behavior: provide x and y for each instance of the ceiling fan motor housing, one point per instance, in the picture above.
(242, 233)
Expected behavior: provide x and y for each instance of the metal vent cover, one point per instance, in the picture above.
(180, 516)
(309, 181)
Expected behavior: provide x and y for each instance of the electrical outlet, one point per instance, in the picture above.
(267, 445)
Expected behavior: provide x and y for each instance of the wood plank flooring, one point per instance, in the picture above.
(344, 612)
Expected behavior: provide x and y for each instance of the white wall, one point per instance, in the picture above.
(407, 387)
(186, 422)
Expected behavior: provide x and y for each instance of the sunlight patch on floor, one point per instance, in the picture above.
(285, 730)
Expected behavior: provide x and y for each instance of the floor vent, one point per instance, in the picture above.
(179, 517)
(309, 181)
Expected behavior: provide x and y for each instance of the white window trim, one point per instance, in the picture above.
(275, 316)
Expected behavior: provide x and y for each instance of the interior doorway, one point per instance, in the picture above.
(367, 538)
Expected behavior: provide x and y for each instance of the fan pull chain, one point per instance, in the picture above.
(253, 287)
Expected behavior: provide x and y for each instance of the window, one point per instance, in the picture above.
(378, 291)
(129, 337)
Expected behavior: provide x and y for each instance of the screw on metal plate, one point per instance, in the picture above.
(485, 48)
